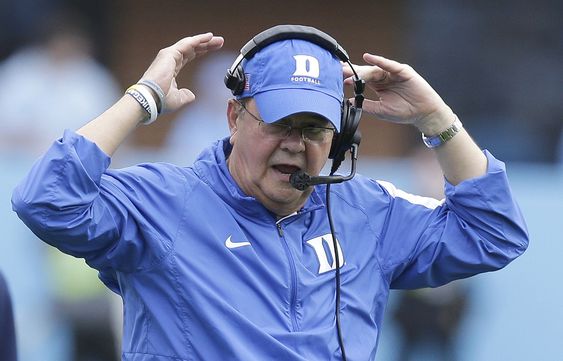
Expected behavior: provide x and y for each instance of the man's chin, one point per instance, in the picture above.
(286, 199)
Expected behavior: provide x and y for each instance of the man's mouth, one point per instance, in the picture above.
(286, 168)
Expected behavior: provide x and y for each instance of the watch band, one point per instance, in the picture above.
(441, 138)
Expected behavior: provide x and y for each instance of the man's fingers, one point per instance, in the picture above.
(216, 42)
(369, 73)
(389, 65)
(347, 70)
(189, 48)
(379, 71)
(190, 42)
(186, 96)
(192, 46)
(373, 107)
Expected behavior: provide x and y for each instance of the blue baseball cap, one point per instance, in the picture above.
(294, 76)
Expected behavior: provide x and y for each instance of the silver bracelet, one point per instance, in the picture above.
(441, 138)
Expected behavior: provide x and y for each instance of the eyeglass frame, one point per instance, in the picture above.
(288, 128)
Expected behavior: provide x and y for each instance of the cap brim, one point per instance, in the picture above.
(274, 105)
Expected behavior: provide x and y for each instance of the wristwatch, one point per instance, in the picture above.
(439, 139)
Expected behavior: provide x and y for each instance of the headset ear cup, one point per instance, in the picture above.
(230, 80)
(355, 116)
(235, 80)
(340, 136)
(349, 134)
(335, 145)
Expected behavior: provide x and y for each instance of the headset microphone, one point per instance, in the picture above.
(301, 180)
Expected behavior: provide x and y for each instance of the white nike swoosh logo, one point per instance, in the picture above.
(230, 244)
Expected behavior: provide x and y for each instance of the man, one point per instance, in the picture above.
(8, 349)
(225, 259)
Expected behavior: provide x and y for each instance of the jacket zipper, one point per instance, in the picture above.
(293, 280)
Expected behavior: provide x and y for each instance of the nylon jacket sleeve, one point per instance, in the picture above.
(123, 220)
(477, 228)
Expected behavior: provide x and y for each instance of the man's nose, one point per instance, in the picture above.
(294, 141)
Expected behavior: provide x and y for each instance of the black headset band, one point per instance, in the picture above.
(283, 32)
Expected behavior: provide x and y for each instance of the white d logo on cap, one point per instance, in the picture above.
(306, 65)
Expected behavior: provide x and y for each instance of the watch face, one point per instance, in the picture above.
(431, 142)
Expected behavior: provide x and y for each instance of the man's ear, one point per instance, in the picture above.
(233, 112)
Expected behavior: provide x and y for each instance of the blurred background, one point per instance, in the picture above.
(498, 64)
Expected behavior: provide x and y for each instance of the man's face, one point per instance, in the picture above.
(261, 163)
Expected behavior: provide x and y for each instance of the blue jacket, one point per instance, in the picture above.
(207, 273)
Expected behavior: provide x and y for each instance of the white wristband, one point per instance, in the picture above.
(146, 93)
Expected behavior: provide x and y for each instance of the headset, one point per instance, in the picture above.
(349, 134)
